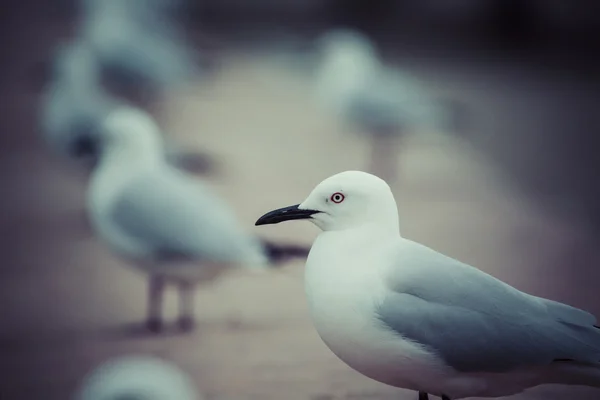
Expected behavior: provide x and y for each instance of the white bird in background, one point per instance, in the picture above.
(121, 44)
(408, 316)
(138, 43)
(172, 227)
(136, 377)
(73, 103)
(352, 82)
(137, 8)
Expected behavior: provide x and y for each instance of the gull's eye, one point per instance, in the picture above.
(337, 197)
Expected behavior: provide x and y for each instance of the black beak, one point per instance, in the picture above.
(285, 214)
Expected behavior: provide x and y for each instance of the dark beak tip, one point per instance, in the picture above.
(259, 222)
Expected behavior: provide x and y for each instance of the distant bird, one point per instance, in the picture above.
(137, 8)
(173, 228)
(139, 45)
(74, 105)
(408, 316)
(137, 377)
(352, 82)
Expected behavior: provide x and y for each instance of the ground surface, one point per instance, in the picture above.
(67, 304)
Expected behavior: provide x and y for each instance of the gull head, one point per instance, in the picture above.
(348, 200)
(346, 60)
(131, 131)
(345, 42)
(137, 377)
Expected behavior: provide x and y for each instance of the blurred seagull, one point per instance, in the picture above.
(73, 103)
(137, 378)
(74, 106)
(136, 9)
(138, 44)
(408, 316)
(352, 82)
(170, 226)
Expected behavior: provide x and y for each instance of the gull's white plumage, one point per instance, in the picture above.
(406, 315)
(137, 378)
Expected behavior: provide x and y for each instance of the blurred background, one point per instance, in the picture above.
(513, 192)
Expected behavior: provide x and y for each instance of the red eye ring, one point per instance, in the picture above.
(337, 197)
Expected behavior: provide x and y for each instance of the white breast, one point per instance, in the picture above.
(343, 290)
(105, 186)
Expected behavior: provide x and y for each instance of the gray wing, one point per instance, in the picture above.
(396, 101)
(477, 323)
(175, 216)
(190, 161)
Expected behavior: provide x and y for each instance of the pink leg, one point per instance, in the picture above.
(186, 320)
(156, 289)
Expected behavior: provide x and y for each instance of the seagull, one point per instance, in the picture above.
(353, 83)
(138, 44)
(405, 315)
(73, 103)
(170, 226)
(137, 8)
(137, 377)
(74, 106)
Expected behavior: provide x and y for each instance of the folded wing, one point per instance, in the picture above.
(477, 323)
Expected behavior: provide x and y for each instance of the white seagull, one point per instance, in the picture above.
(74, 106)
(170, 225)
(137, 377)
(138, 43)
(408, 316)
(354, 84)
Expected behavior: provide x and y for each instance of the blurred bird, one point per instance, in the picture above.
(137, 8)
(172, 227)
(137, 378)
(352, 82)
(138, 43)
(74, 105)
